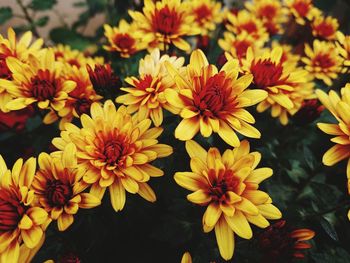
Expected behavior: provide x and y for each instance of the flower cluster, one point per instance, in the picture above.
(273, 55)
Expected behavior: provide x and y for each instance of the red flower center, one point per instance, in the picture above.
(214, 96)
(114, 149)
(250, 27)
(325, 30)
(268, 11)
(302, 8)
(74, 62)
(166, 21)
(59, 54)
(202, 13)
(267, 73)
(58, 193)
(43, 86)
(82, 105)
(11, 209)
(225, 182)
(124, 41)
(324, 61)
(241, 47)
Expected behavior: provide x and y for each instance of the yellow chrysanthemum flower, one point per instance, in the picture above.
(40, 81)
(21, 220)
(245, 21)
(229, 185)
(166, 22)
(79, 99)
(325, 27)
(9, 47)
(271, 12)
(207, 14)
(343, 46)
(286, 85)
(115, 150)
(73, 57)
(211, 101)
(146, 96)
(59, 187)
(237, 46)
(302, 10)
(340, 109)
(125, 39)
(323, 61)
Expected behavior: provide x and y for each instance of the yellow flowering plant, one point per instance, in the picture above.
(216, 115)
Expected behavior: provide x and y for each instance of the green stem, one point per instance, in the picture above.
(28, 18)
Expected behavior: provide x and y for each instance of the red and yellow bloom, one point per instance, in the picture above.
(166, 22)
(125, 39)
(325, 27)
(228, 185)
(38, 82)
(146, 96)
(59, 187)
(287, 85)
(302, 10)
(323, 61)
(211, 101)
(115, 149)
(340, 109)
(22, 221)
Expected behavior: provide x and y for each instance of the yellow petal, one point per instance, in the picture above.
(190, 181)
(187, 129)
(146, 192)
(64, 221)
(239, 224)
(117, 195)
(269, 211)
(195, 150)
(212, 214)
(88, 200)
(335, 155)
(200, 197)
(186, 258)
(31, 237)
(224, 238)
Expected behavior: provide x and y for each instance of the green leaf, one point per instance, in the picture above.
(329, 228)
(69, 37)
(42, 21)
(5, 14)
(309, 158)
(41, 5)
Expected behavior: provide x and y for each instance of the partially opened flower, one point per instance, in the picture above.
(21, 49)
(22, 221)
(325, 27)
(115, 149)
(207, 14)
(237, 46)
(281, 242)
(271, 12)
(343, 46)
(146, 96)
(166, 22)
(125, 39)
(245, 21)
(211, 101)
(228, 185)
(340, 109)
(323, 61)
(59, 187)
(40, 82)
(287, 85)
(302, 10)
